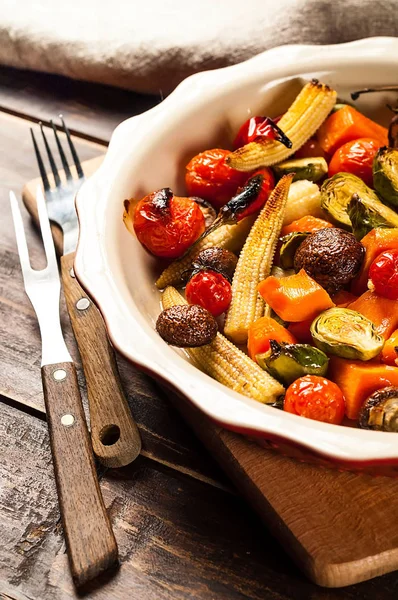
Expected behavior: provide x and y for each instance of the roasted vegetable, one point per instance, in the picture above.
(385, 174)
(295, 298)
(307, 224)
(260, 128)
(254, 264)
(343, 298)
(363, 218)
(299, 123)
(289, 246)
(375, 242)
(312, 169)
(164, 223)
(346, 333)
(389, 354)
(287, 362)
(186, 326)
(211, 290)
(315, 398)
(230, 237)
(383, 312)
(357, 380)
(383, 275)
(311, 149)
(330, 256)
(355, 157)
(304, 199)
(227, 364)
(348, 124)
(301, 331)
(217, 259)
(207, 209)
(336, 195)
(380, 411)
(262, 331)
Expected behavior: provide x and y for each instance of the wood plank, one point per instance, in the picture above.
(92, 111)
(178, 538)
(165, 437)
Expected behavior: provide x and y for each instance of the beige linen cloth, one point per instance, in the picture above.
(151, 45)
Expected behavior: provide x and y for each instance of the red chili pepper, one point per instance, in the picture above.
(260, 128)
(211, 290)
(315, 398)
(383, 275)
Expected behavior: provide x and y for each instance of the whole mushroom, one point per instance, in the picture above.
(330, 256)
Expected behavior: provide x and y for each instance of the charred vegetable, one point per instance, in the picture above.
(312, 169)
(330, 256)
(385, 174)
(290, 244)
(186, 326)
(214, 258)
(346, 333)
(288, 362)
(337, 192)
(363, 217)
(208, 211)
(380, 410)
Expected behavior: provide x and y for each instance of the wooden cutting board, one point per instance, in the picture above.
(340, 527)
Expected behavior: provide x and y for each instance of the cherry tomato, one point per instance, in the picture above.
(315, 398)
(252, 129)
(311, 148)
(357, 158)
(210, 290)
(166, 224)
(383, 275)
(209, 177)
(267, 186)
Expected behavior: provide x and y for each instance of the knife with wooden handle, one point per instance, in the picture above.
(115, 437)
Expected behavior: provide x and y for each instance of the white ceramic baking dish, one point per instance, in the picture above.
(149, 152)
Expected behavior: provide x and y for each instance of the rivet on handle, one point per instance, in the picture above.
(67, 420)
(83, 304)
(59, 375)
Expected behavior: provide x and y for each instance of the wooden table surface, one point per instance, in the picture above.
(183, 532)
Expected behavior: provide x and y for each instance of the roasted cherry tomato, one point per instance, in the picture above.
(315, 398)
(209, 177)
(211, 290)
(260, 128)
(167, 225)
(383, 275)
(310, 149)
(357, 158)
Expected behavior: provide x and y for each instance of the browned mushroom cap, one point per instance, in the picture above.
(186, 326)
(380, 410)
(217, 259)
(330, 256)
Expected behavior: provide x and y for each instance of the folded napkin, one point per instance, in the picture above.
(151, 45)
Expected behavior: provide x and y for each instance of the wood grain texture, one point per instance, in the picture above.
(114, 435)
(88, 533)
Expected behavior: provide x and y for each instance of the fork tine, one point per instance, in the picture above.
(43, 174)
(79, 169)
(46, 230)
(61, 152)
(20, 235)
(50, 158)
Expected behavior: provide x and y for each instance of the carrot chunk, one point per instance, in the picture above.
(348, 124)
(383, 312)
(343, 298)
(389, 354)
(301, 331)
(262, 331)
(295, 298)
(358, 380)
(307, 224)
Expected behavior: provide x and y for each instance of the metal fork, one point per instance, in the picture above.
(88, 533)
(114, 435)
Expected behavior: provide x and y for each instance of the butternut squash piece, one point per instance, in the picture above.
(383, 312)
(389, 354)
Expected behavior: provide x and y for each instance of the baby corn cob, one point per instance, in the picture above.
(227, 364)
(299, 123)
(229, 237)
(254, 264)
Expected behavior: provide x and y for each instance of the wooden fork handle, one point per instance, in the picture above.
(89, 537)
(115, 437)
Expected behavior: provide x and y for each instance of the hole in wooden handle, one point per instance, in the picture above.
(109, 435)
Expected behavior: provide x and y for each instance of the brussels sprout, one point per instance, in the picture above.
(380, 410)
(288, 362)
(290, 244)
(385, 174)
(346, 333)
(364, 218)
(336, 194)
(313, 168)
